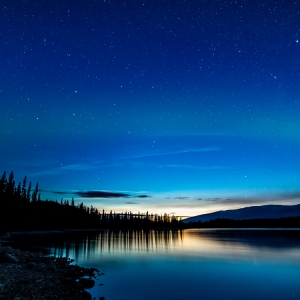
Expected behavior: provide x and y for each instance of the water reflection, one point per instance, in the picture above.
(265, 238)
(93, 244)
(215, 264)
(83, 246)
(256, 245)
(86, 245)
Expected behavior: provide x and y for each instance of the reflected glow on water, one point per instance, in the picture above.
(188, 264)
(244, 245)
(91, 245)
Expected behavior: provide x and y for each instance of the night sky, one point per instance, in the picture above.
(181, 107)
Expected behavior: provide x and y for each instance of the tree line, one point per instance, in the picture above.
(23, 209)
(284, 222)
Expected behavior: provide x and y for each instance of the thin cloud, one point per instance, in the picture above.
(257, 200)
(101, 194)
(140, 164)
(131, 161)
(207, 149)
(48, 172)
(189, 166)
(64, 169)
(32, 164)
(57, 192)
(291, 195)
(213, 199)
(254, 200)
(192, 134)
(77, 167)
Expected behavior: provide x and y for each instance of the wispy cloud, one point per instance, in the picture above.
(183, 151)
(142, 164)
(136, 161)
(56, 192)
(99, 194)
(203, 203)
(77, 167)
(143, 196)
(188, 134)
(277, 198)
(185, 166)
(64, 169)
(53, 171)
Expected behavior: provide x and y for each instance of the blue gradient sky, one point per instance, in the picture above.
(192, 103)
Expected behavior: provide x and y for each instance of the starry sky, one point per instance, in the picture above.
(181, 107)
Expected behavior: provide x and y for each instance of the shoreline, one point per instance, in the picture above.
(33, 275)
(11, 233)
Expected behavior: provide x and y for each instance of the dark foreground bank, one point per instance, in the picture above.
(30, 275)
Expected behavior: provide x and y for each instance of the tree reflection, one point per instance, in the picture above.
(92, 243)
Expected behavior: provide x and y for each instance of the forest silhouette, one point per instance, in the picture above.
(22, 209)
(282, 222)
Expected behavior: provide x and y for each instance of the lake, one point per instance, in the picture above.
(184, 264)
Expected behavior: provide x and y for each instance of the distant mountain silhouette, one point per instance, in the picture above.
(252, 212)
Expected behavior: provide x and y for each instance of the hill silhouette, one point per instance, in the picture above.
(250, 213)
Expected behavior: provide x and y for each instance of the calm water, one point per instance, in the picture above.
(188, 264)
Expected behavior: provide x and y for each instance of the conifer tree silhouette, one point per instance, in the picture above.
(10, 187)
(24, 192)
(28, 195)
(35, 193)
(3, 183)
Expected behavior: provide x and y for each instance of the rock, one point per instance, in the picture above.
(36, 274)
(9, 258)
(8, 249)
(86, 283)
(30, 265)
(52, 266)
(86, 295)
(24, 281)
(93, 270)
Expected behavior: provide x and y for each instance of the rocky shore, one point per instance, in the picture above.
(28, 275)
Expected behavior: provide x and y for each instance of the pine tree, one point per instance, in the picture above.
(35, 193)
(24, 192)
(3, 183)
(92, 209)
(81, 207)
(28, 196)
(17, 193)
(10, 187)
